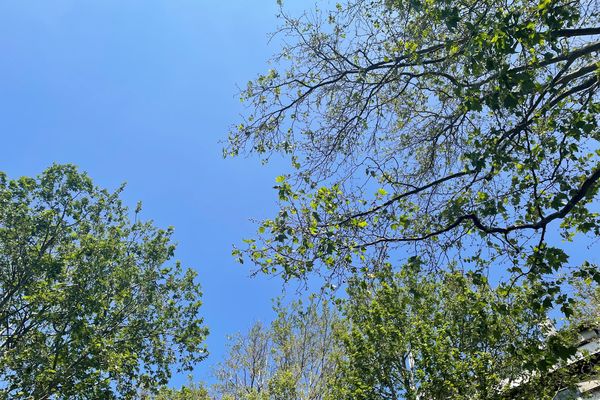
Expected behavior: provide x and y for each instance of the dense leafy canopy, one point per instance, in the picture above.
(88, 308)
(408, 335)
(415, 336)
(453, 130)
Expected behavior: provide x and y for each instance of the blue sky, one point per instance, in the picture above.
(142, 92)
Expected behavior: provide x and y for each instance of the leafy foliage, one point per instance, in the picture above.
(294, 358)
(415, 336)
(88, 308)
(188, 392)
(458, 131)
(451, 136)
(587, 293)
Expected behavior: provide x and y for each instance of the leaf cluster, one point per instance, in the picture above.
(88, 306)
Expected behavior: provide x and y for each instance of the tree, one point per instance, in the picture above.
(587, 293)
(294, 358)
(191, 391)
(415, 336)
(459, 131)
(244, 373)
(88, 306)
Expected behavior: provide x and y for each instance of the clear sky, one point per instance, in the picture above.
(141, 91)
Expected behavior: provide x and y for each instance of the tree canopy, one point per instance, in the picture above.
(296, 357)
(88, 306)
(434, 146)
(418, 336)
(409, 334)
(459, 131)
(191, 391)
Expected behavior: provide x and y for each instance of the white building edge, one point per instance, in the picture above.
(588, 352)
